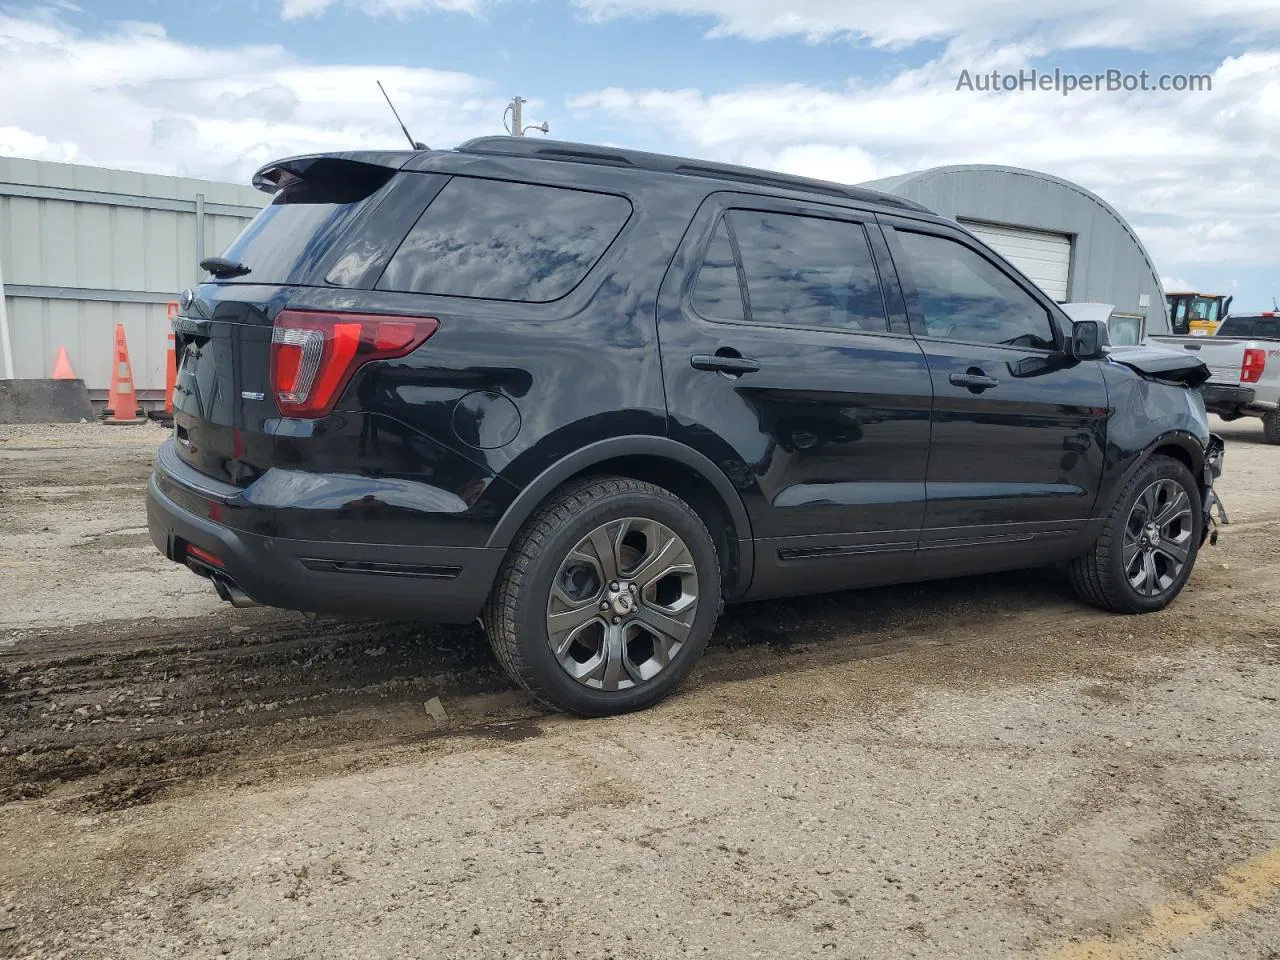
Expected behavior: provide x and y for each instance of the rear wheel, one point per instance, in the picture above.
(607, 598)
(1271, 426)
(1148, 547)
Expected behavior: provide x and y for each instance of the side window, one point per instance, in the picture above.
(808, 271)
(717, 294)
(499, 240)
(963, 296)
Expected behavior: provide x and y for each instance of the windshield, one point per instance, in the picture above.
(1205, 308)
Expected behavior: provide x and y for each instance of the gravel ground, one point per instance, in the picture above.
(978, 768)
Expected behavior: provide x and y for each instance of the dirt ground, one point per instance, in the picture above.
(978, 768)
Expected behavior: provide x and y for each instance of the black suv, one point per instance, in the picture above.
(588, 395)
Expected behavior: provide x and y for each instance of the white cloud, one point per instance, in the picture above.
(16, 142)
(1194, 172)
(1138, 24)
(1174, 284)
(139, 99)
(296, 9)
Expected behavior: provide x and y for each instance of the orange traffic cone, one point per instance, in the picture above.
(170, 376)
(62, 369)
(171, 363)
(122, 399)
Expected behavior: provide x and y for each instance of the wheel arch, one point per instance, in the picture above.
(661, 461)
(1181, 445)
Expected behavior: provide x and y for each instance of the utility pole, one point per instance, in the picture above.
(517, 127)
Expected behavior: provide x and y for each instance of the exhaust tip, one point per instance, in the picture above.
(227, 590)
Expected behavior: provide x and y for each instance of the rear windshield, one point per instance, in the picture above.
(501, 240)
(1236, 327)
(1261, 327)
(288, 239)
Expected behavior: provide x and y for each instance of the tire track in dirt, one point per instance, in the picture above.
(128, 709)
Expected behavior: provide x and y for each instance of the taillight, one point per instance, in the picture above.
(314, 354)
(1255, 361)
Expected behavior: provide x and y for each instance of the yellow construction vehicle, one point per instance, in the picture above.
(1197, 314)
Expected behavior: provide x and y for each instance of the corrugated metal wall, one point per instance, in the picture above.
(1108, 262)
(84, 248)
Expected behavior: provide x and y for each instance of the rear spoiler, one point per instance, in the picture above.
(356, 164)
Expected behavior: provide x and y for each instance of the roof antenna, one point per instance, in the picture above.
(412, 142)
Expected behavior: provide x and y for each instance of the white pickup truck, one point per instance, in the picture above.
(1245, 370)
(1245, 379)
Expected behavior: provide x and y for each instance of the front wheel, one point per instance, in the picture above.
(607, 598)
(1148, 547)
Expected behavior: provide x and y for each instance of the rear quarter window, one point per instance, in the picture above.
(500, 240)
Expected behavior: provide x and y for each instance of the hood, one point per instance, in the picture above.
(1161, 363)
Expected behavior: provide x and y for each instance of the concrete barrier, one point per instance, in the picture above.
(44, 401)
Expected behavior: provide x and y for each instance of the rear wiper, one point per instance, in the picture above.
(223, 269)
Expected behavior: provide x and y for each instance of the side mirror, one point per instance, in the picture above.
(1226, 308)
(1090, 340)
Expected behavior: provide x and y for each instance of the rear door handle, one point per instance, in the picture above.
(722, 364)
(974, 381)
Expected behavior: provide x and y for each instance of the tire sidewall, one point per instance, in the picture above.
(1271, 426)
(531, 606)
(1161, 468)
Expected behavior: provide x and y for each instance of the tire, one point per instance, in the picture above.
(1100, 576)
(618, 662)
(1271, 426)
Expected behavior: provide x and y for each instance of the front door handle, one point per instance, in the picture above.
(975, 380)
(719, 363)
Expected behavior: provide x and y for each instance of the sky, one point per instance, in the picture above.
(843, 90)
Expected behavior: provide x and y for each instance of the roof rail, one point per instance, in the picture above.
(541, 149)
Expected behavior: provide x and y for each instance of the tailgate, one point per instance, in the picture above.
(1222, 357)
(222, 400)
(321, 231)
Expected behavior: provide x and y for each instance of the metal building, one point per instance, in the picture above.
(84, 248)
(1068, 240)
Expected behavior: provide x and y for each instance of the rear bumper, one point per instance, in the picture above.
(1225, 398)
(1232, 401)
(388, 581)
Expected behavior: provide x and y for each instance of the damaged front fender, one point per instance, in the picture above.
(1215, 511)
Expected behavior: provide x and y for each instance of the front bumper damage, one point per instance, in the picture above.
(1214, 510)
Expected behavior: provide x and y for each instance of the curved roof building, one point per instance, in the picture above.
(1067, 239)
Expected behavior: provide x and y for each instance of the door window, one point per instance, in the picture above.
(1179, 323)
(798, 271)
(963, 296)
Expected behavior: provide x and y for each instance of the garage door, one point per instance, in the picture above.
(1044, 257)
